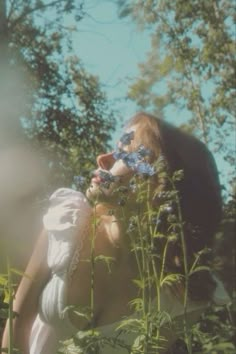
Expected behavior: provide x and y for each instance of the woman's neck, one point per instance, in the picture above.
(114, 220)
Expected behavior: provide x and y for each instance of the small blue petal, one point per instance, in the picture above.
(143, 151)
(126, 138)
(145, 168)
(135, 160)
(106, 176)
(119, 155)
(131, 159)
(79, 181)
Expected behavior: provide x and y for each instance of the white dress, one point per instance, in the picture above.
(68, 213)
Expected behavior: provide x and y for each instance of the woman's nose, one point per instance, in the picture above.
(106, 161)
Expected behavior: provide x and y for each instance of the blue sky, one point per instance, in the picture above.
(111, 49)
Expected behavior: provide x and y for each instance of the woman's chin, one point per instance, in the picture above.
(98, 194)
(95, 192)
(91, 191)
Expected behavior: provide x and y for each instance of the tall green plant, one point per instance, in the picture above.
(150, 231)
(7, 291)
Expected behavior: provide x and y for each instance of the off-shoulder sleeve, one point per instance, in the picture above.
(68, 216)
(68, 213)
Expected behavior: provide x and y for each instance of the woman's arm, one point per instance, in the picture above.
(27, 295)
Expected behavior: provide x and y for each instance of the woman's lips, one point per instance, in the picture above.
(97, 179)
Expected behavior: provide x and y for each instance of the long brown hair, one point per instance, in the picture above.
(199, 190)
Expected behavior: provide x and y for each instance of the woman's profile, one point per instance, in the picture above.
(157, 193)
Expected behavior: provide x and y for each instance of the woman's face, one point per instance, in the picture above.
(109, 175)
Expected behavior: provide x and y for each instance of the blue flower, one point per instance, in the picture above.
(126, 138)
(143, 151)
(107, 178)
(135, 160)
(131, 159)
(119, 154)
(79, 181)
(144, 168)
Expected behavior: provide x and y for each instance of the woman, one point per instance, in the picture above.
(80, 231)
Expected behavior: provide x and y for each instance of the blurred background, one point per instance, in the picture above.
(72, 72)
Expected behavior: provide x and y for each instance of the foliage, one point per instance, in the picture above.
(215, 332)
(68, 116)
(190, 66)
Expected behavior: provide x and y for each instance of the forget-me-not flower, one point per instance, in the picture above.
(126, 138)
(79, 181)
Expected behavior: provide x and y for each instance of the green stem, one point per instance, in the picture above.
(164, 260)
(148, 245)
(186, 272)
(156, 276)
(143, 268)
(144, 274)
(133, 243)
(195, 262)
(10, 309)
(136, 255)
(92, 261)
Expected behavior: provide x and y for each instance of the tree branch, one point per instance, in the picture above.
(31, 10)
(3, 19)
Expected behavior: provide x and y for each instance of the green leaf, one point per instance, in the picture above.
(169, 279)
(131, 324)
(3, 280)
(139, 283)
(84, 312)
(138, 343)
(199, 269)
(226, 347)
(107, 260)
(137, 304)
(6, 296)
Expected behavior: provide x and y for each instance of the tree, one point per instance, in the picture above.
(190, 66)
(49, 103)
(64, 110)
